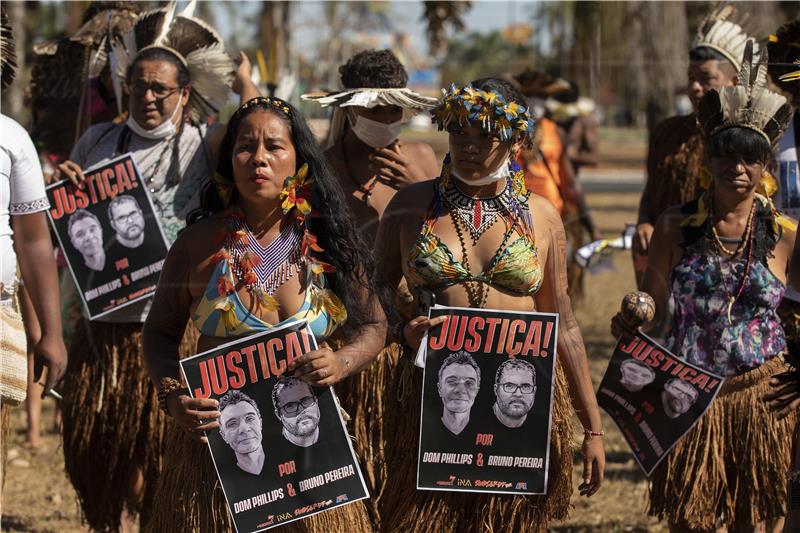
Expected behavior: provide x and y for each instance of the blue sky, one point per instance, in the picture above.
(484, 16)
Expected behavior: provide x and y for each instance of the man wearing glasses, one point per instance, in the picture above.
(127, 221)
(458, 385)
(297, 408)
(514, 389)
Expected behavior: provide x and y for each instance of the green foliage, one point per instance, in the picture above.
(476, 55)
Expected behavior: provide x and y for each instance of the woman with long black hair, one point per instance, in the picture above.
(273, 195)
(475, 237)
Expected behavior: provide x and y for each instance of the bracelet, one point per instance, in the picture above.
(591, 434)
(168, 385)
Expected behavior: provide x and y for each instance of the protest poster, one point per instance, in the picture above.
(281, 452)
(487, 401)
(110, 235)
(654, 397)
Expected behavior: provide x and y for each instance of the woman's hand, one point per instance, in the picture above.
(415, 329)
(620, 326)
(322, 367)
(194, 415)
(594, 465)
(784, 398)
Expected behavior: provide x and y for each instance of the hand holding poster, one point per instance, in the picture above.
(654, 397)
(110, 235)
(281, 452)
(486, 401)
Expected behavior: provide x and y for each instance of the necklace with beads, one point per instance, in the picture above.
(476, 214)
(366, 189)
(745, 246)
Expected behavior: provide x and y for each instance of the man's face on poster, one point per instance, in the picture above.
(86, 236)
(127, 219)
(635, 375)
(240, 427)
(515, 392)
(678, 397)
(298, 409)
(458, 386)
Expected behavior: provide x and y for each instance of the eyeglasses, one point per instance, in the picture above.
(127, 218)
(140, 88)
(292, 408)
(512, 388)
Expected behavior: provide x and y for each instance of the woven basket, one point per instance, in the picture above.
(13, 356)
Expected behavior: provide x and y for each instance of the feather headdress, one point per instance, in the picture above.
(784, 54)
(726, 30)
(410, 102)
(8, 52)
(748, 104)
(196, 44)
(539, 84)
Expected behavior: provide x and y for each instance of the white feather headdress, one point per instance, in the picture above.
(726, 30)
(748, 104)
(196, 44)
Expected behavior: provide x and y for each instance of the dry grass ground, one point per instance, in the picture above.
(38, 497)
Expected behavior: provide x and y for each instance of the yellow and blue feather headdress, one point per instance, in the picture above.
(470, 106)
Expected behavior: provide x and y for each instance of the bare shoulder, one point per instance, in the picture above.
(788, 235)
(543, 212)
(199, 241)
(423, 155)
(415, 197)
(669, 223)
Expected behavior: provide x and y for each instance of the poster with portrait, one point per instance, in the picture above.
(110, 235)
(281, 452)
(487, 401)
(654, 397)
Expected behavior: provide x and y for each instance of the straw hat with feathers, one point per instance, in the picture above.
(726, 30)
(8, 51)
(196, 44)
(748, 104)
(539, 84)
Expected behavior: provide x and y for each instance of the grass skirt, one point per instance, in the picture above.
(363, 397)
(5, 431)
(113, 428)
(180, 507)
(732, 465)
(404, 509)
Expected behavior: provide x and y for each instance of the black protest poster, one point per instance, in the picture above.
(282, 452)
(487, 402)
(654, 397)
(110, 235)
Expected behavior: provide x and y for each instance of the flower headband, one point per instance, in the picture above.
(468, 105)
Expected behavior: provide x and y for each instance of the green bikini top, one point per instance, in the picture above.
(514, 268)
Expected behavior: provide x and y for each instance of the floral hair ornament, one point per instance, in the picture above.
(470, 106)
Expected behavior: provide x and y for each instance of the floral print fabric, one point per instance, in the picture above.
(701, 332)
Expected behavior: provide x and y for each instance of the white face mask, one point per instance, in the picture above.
(162, 131)
(373, 133)
(501, 173)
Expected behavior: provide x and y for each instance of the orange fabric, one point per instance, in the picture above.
(545, 179)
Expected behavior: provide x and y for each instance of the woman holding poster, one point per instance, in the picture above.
(723, 261)
(474, 237)
(288, 250)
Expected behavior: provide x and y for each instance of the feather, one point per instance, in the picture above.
(8, 52)
(166, 25)
(188, 11)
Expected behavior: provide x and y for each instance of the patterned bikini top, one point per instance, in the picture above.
(514, 267)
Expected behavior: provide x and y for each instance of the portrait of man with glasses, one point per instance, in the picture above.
(297, 408)
(458, 385)
(127, 220)
(515, 390)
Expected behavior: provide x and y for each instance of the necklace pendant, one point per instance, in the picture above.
(477, 218)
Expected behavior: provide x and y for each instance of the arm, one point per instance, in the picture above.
(583, 133)
(571, 188)
(34, 251)
(659, 265)
(161, 337)
(552, 297)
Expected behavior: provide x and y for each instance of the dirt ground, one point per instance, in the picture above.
(38, 497)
